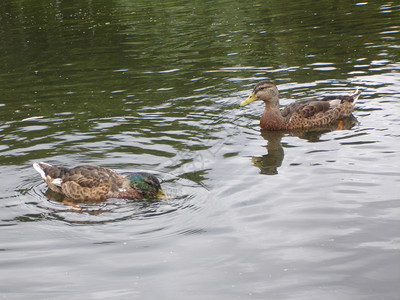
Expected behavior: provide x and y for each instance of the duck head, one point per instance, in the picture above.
(146, 184)
(265, 91)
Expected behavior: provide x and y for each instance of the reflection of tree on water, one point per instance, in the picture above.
(270, 162)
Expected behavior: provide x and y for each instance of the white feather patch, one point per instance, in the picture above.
(57, 181)
(43, 163)
(356, 94)
(39, 170)
(334, 103)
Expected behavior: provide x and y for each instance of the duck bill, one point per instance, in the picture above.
(249, 99)
(161, 195)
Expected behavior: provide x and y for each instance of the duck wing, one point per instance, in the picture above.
(306, 108)
(91, 183)
(91, 176)
(82, 182)
(310, 107)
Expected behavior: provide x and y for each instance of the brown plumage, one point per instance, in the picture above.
(300, 114)
(98, 183)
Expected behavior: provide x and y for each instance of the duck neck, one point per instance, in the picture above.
(272, 106)
(272, 118)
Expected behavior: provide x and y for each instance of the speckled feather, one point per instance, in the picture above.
(90, 182)
(301, 114)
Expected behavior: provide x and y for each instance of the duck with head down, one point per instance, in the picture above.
(85, 183)
(300, 114)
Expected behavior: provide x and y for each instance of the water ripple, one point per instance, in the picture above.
(147, 218)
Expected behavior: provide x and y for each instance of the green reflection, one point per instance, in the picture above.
(118, 76)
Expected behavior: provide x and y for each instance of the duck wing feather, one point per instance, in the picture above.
(309, 107)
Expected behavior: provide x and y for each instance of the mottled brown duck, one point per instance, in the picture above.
(97, 183)
(301, 114)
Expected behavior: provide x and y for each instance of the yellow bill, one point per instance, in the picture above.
(249, 99)
(162, 195)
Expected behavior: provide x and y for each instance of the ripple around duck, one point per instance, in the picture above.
(145, 216)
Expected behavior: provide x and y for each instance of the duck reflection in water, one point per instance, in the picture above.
(308, 119)
(270, 162)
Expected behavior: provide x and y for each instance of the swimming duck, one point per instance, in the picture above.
(300, 114)
(98, 183)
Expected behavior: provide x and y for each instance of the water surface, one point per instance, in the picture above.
(156, 86)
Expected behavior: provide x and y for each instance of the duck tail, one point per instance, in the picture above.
(355, 96)
(46, 170)
(38, 167)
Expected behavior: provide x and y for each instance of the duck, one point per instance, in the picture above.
(96, 183)
(301, 114)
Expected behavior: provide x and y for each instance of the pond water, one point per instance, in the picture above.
(156, 86)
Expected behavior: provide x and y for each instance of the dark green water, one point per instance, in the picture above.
(156, 86)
